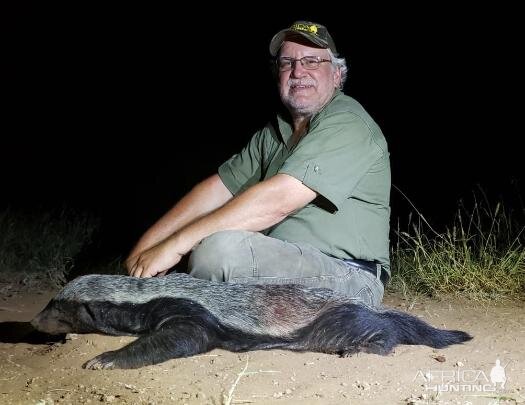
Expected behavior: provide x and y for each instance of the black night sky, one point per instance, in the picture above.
(118, 110)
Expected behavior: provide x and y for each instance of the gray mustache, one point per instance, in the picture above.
(301, 82)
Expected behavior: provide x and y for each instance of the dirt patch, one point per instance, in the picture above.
(39, 373)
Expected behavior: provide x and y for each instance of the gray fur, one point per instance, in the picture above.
(236, 305)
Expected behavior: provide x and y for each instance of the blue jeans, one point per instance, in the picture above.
(251, 257)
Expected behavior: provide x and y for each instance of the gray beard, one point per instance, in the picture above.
(299, 110)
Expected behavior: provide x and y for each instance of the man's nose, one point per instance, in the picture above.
(297, 69)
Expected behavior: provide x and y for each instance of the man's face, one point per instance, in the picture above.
(304, 91)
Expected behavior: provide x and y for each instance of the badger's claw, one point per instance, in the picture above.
(348, 352)
(104, 361)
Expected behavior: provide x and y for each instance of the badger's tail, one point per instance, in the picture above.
(414, 331)
(350, 328)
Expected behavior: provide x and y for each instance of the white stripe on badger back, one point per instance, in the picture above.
(211, 295)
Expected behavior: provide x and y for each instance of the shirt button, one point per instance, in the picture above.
(316, 168)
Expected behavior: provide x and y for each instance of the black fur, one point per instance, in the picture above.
(179, 316)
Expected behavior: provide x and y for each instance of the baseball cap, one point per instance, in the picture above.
(313, 32)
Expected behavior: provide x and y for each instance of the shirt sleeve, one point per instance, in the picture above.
(243, 169)
(334, 156)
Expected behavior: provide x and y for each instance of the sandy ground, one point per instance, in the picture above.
(38, 373)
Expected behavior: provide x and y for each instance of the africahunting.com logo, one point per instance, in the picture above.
(464, 379)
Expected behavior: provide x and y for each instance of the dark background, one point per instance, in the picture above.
(118, 110)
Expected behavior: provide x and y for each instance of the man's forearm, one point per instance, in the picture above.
(205, 197)
(261, 206)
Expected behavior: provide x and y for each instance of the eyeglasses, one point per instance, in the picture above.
(308, 62)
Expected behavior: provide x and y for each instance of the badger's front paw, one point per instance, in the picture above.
(104, 361)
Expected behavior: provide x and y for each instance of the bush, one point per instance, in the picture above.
(42, 245)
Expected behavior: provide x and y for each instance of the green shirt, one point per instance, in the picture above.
(344, 158)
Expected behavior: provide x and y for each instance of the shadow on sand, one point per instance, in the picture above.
(24, 332)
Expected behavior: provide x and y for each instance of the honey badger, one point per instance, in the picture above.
(179, 316)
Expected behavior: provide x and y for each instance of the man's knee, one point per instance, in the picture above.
(216, 256)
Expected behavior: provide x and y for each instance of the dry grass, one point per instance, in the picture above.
(480, 257)
(40, 247)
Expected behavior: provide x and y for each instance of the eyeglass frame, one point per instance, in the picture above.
(293, 61)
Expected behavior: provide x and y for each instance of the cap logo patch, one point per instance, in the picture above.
(312, 29)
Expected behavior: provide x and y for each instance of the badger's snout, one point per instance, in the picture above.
(49, 321)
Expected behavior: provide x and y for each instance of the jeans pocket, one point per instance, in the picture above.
(365, 295)
(365, 286)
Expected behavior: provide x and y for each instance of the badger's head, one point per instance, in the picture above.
(60, 316)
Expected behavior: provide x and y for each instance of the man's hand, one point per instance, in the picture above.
(156, 261)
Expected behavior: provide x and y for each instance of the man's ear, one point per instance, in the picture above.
(337, 77)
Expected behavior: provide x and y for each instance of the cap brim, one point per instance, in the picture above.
(281, 36)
